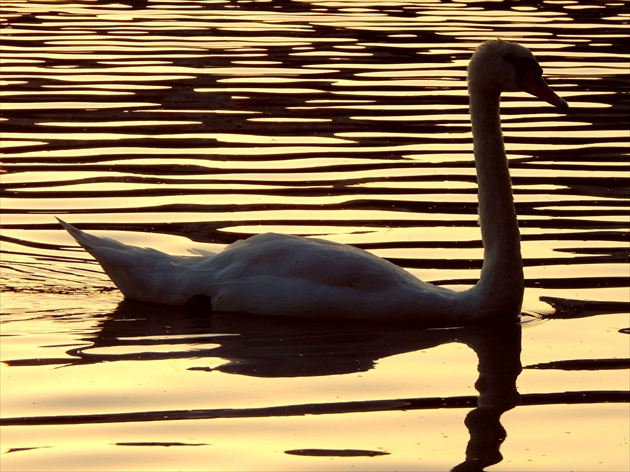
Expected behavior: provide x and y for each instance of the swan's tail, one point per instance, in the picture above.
(141, 274)
(89, 242)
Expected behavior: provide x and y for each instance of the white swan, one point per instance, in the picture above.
(273, 274)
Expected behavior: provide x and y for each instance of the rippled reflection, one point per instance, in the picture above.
(267, 347)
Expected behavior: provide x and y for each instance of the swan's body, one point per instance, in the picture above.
(273, 274)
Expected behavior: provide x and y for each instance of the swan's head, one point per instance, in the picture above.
(501, 66)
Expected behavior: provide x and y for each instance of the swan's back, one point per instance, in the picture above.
(314, 260)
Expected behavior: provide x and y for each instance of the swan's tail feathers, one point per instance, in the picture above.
(140, 273)
(112, 255)
(89, 242)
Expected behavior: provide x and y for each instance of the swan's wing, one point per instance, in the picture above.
(274, 274)
(310, 259)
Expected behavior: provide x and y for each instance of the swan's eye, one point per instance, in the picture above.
(523, 64)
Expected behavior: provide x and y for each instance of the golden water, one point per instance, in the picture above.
(183, 124)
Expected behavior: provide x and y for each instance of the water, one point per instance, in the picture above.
(188, 124)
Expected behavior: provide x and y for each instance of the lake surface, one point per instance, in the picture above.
(192, 124)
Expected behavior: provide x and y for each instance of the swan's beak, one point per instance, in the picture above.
(536, 85)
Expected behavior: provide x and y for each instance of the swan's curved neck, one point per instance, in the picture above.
(500, 286)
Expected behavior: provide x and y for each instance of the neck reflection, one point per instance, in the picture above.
(498, 349)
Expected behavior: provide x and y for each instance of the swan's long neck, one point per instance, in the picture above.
(500, 287)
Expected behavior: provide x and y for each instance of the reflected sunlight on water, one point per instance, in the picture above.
(185, 124)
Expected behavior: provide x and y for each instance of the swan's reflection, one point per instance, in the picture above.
(498, 351)
(276, 347)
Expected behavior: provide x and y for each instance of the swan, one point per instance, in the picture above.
(283, 275)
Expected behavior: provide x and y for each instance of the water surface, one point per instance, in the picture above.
(195, 124)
